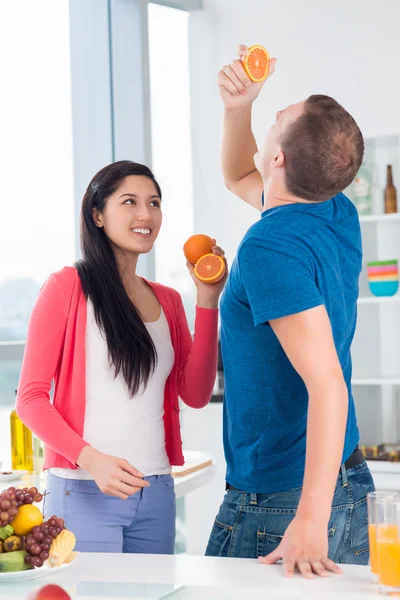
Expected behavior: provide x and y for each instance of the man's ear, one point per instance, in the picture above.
(279, 159)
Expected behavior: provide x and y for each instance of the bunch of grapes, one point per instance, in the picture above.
(12, 499)
(38, 542)
(27, 496)
(8, 507)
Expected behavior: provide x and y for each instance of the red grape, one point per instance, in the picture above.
(38, 497)
(37, 562)
(33, 491)
(5, 495)
(39, 540)
(5, 504)
(28, 559)
(35, 549)
(28, 499)
(4, 517)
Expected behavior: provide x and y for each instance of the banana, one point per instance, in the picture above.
(13, 561)
(13, 543)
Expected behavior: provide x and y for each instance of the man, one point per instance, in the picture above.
(296, 481)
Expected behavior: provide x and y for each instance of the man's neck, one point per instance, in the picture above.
(274, 197)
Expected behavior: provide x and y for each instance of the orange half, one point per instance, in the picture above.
(256, 63)
(210, 268)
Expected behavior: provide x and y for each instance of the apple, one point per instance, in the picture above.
(50, 592)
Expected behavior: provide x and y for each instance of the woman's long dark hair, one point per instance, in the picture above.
(130, 346)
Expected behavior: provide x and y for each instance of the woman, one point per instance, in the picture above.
(120, 353)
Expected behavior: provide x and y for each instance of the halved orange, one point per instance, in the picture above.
(256, 63)
(196, 246)
(210, 268)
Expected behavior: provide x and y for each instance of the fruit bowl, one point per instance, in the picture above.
(38, 573)
(29, 544)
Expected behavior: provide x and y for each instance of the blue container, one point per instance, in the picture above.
(383, 288)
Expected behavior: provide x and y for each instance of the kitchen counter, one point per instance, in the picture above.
(183, 577)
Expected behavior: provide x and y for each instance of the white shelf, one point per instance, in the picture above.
(379, 299)
(375, 381)
(383, 218)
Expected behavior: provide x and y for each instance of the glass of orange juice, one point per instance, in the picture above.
(374, 517)
(388, 545)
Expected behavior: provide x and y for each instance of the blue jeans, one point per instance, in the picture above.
(144, 523)
(252, 525)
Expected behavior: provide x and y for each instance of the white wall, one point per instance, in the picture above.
(347, 49)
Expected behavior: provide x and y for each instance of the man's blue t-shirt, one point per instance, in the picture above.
(296, 257)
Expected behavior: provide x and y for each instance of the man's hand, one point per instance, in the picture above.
(235, 86)
(304, 547)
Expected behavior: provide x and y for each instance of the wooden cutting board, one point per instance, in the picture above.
(190, 466)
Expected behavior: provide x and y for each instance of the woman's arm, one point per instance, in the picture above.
(43, 350)
(198, 357)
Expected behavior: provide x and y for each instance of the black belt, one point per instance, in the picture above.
(353, 461)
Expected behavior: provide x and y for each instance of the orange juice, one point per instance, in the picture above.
(388, 554)
(373, 555)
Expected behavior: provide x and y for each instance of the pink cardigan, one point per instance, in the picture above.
(55, 350)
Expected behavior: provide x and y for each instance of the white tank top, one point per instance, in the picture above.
(115, 423)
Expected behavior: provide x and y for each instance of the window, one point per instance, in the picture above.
(37, 234)
(171, 145)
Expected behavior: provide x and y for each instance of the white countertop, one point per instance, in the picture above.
(183, 577)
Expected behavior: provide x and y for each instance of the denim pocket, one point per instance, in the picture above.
(220, 539)
(82, 487)
(267, 543)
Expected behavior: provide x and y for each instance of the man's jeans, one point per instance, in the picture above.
(251, 525)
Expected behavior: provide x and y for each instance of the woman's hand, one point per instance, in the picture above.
(208, 293)
(114, 476)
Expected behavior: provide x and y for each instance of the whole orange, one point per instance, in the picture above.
(28, 517)
(197, 246)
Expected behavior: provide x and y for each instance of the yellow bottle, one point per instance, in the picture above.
(21, 444)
